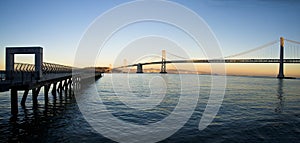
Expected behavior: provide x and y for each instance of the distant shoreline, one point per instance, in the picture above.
(254, 76)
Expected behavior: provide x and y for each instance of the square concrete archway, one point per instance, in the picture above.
(10, 59)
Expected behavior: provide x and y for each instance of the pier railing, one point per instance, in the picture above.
(24, 72)
(46, 68)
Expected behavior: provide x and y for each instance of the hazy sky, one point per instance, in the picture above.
(58, 25)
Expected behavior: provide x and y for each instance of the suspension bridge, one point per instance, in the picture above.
(288, 51)
(26, 77)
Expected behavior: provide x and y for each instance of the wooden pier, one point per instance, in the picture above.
(33, 77)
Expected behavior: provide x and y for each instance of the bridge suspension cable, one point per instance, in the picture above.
(292, 41)
(292, 49)
(253, 50)
(153, 58)
(180, 57)
(148, 59)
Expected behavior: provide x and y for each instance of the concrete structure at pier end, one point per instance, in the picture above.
(10, 59)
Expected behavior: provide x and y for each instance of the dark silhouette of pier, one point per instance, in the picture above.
(32, 77)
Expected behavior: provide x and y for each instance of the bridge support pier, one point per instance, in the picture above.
(46, 91)
(281, 72)
(35, 94)
(70, 86)
(24, 97)
(14, 101)
(60, 86)
(67, 82)
(54, 89)
(139, 68)
(76, 81)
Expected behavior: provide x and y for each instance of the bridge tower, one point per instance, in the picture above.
(281, 74)
(139, 68)
(163, 62)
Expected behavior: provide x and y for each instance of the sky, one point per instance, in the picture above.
(59, 25)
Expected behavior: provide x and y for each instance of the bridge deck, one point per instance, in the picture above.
(223, 61)
(23, 81)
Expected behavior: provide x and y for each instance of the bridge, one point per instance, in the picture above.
(276, 55)
(26, 77)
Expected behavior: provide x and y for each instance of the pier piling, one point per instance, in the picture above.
(24, 97)
(14, 101)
